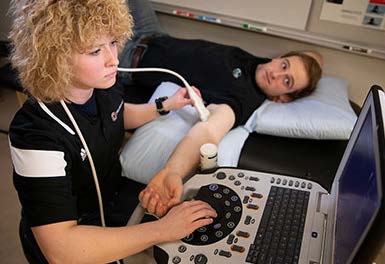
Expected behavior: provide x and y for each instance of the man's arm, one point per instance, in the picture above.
(166, 189)
(185, 158)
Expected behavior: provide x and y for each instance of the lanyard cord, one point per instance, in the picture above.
(99, 194)
(203, 113)
(198, 104)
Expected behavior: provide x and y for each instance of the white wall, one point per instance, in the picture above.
(360, 71)
(4, 19)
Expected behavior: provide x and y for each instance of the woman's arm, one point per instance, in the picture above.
(67, 242)
(136, 115)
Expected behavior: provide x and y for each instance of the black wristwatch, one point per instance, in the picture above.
(159, 105)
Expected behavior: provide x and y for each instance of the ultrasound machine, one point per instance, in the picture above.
(271, 218)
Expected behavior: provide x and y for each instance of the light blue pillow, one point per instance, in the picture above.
(325, 114)
(149, 148)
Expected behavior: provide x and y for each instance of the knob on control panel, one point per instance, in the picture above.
(228, 206)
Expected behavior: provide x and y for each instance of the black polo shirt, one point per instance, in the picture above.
(223, 74)
(52, 173)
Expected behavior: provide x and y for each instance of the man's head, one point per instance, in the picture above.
(291, 76)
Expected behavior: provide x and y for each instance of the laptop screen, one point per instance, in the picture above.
(359, 195)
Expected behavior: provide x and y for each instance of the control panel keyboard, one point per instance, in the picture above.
(261, 219)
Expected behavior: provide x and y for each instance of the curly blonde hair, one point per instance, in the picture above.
(46, 33)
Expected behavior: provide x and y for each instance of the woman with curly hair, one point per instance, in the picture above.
(66, 55)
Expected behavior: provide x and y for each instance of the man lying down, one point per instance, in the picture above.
(232, 82)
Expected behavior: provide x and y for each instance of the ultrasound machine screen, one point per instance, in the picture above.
(359, 192)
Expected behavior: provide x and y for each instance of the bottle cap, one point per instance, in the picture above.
(209, 156)
(209, 150)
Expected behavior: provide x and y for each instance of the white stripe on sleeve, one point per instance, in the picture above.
(38, 163)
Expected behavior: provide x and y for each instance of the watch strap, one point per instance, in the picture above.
(159, 105)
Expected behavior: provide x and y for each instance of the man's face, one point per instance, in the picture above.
(280, 77)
